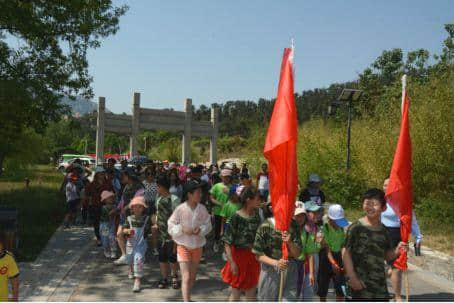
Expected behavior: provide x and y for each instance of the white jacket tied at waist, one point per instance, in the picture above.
(186, 217)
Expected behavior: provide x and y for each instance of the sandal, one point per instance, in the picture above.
(163, 283)
(175, 283)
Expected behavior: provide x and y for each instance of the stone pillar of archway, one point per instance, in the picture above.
(100, 125)
(214, 135)
(186, 146)
(135, 125)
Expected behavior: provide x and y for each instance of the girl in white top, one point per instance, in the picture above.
(188, 226)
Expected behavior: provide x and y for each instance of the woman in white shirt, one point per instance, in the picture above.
(188, 226)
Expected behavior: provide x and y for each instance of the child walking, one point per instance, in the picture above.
(72, 200)
(166, 203)
(188, 226)
(242, 269)
(331, 266)
(136, 228)
(268, 250)
(367, 246)
(306, 276)
(107, 224)
(313, 243)
(8, 272)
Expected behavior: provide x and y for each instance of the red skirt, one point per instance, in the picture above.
(248, 269)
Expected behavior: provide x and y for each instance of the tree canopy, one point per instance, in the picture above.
(43, 56)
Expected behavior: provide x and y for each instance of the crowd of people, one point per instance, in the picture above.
(171, 209)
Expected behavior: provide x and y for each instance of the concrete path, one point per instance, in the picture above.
(78, 271)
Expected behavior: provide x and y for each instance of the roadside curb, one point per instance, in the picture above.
(435, 262)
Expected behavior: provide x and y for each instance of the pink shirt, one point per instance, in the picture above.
(185, 216)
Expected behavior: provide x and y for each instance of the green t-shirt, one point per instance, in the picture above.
(241, 233)
(268, 240)
(309, 245)
(218, 192)
(229, 209)
(334, 237)
(368, 246)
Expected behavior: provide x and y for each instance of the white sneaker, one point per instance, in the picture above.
(113, 255)
(106, 254)
(121, 261)
(130, 275)
(136, 287)
(155, 252)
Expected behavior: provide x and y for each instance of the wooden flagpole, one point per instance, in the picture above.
(404, 92)
(281, 287)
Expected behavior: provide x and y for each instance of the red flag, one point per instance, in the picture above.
(399, 192)
(280, 149)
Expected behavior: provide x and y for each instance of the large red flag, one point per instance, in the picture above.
(280, 149)
(399, 192)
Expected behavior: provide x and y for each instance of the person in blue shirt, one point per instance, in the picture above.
(392, 222)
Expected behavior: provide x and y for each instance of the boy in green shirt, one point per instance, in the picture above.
(219, 195)
(367, 246)
(330, 267)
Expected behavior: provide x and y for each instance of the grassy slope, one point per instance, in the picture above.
(41, 210)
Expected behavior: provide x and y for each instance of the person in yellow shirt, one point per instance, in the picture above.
(8, 271)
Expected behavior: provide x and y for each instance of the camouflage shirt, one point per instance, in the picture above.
(105, 210)
(368, 246)
(241, 233)
(129, 192)
(164, 209)
(138, 221)
(268, 241)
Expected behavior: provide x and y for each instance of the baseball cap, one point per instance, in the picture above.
(299, 208)
(191, 185)
(336, 213)
(312, 206)
(226, 172)
(99, 170)
(315, 178)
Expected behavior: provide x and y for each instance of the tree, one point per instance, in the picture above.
(50, 60)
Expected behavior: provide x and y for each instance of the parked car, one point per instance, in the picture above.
(86, 161)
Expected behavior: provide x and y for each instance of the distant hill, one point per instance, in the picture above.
(81, 106)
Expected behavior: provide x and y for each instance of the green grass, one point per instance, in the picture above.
(41, 209)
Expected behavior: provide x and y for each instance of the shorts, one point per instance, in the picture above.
(72, 206)
(186, 254)
(326, 274)
(394, 234)
(167, 253)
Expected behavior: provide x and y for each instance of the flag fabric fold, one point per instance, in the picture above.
(399, 192)
(280, 149)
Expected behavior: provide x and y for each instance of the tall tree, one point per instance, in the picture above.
(43, 56)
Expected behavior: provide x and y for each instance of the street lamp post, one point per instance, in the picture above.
(347, 97)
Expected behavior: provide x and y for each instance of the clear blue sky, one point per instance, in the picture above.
(215, 51)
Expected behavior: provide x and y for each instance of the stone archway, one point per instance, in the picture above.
(156, 119)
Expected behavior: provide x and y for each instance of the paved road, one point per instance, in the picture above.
(102, 281)
(71, 268)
